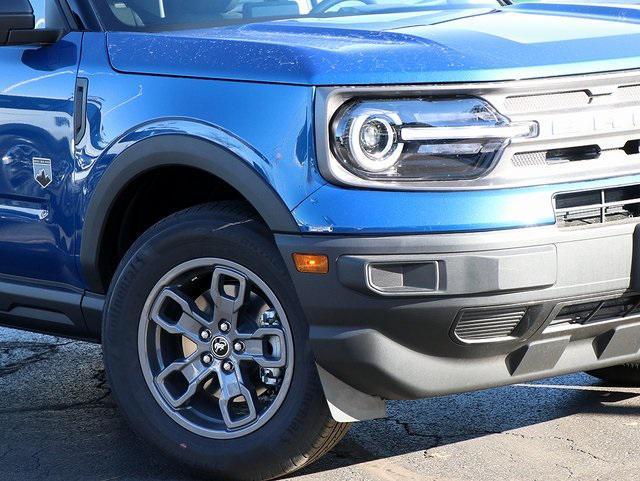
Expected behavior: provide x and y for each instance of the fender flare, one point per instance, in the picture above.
(173, 150)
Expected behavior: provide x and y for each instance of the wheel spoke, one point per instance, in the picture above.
(232, 387)
(215, 348)
(226, 304)
(194, 372)
(188, 322)
(255, 347)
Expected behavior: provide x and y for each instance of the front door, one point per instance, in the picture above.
(37, 195)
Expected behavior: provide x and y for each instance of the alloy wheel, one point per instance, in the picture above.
(215, 348)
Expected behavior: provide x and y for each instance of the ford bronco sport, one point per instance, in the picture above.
(277, 214)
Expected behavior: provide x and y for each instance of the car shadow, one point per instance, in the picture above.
(59, 422)
(414, 426)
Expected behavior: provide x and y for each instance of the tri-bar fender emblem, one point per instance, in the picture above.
(42, 172)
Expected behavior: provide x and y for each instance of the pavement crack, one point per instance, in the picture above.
(572, 444)
(436, 438)
(440, 439)
(101, 377)
(95, 403)
(574, 447)
(41, 351)
(566, 468)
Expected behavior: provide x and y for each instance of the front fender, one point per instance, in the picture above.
(169, 144)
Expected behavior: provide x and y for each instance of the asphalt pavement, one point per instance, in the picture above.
(58, 422)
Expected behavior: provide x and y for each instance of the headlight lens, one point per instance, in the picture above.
(373, 139)
(421, 139)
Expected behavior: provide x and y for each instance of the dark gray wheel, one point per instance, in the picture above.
(625, 374)
(206, 348)
(211, 328)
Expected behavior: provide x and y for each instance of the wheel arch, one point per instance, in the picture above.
(172, 150)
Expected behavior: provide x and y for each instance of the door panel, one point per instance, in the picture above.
(37, 193)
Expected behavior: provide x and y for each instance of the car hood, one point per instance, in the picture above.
(517, 42)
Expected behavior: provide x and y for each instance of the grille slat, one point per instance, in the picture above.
(483, 320)
(488, 324)
(546, 158)
(597, 206)
(503, 331)
(492, 327)
(555, 101)
(605, 112)
(546, 102)
(594, 311)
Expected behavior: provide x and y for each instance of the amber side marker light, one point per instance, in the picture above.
(311, 263)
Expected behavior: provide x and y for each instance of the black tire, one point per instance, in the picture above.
(300, 431)
(625, 374)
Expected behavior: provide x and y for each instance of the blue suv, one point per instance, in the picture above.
(277, 214)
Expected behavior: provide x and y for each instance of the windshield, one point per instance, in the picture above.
(175, 14)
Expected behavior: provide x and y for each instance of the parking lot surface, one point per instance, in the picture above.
(58, 422)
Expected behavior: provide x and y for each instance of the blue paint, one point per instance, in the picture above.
(396, 48)
(37, 226)
(351, 211)
(251, 90)
(129, 108)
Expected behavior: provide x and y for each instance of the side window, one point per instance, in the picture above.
(47, 13)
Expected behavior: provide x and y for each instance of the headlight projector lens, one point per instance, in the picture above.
(374, 141)
(376, 137)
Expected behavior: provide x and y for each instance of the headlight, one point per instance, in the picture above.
(422, 139)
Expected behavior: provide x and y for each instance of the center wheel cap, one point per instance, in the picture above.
(220, 347)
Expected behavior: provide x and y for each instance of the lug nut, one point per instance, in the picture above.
(205, 334)
(238, 346)
(207, 359)
(224, 326)
(227, 366)
(270, 377)
(269, 318)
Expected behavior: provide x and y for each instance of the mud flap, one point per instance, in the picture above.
(348, 405)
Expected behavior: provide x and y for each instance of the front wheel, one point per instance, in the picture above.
(207, 352)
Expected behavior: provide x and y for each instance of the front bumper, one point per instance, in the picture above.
(386, 319)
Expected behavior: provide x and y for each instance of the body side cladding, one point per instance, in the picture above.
(92, 308)
(46, 307)
(174, 150)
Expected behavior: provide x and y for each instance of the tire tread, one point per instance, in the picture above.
(223, 215)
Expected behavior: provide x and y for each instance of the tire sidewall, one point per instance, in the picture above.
(160, 250)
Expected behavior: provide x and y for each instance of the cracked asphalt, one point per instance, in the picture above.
(58, 422)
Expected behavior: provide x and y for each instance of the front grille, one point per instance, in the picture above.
(525, 104)
(593, 311)
(597, 206)
(488, 324)
(575, 154)
(588, 129)
(557, 101)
